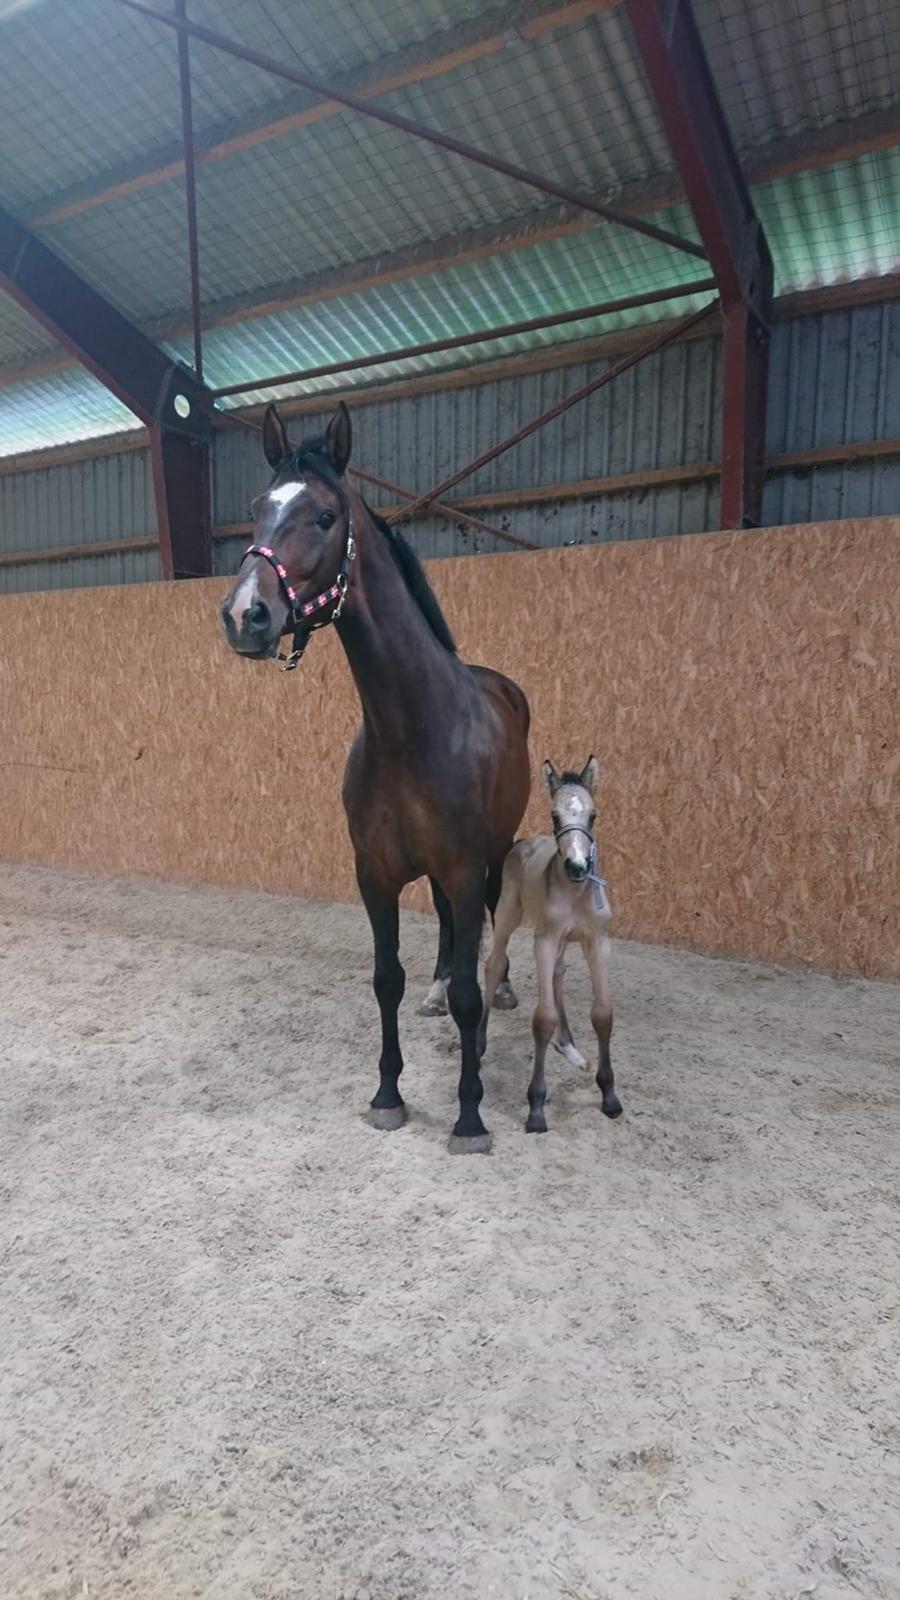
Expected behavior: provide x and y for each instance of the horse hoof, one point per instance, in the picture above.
(505, 997)
(536, 1124)
(388, 1118)
(571, 1054)
(471, 1144)
(612, 1105)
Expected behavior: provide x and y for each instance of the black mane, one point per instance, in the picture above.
(312, 457)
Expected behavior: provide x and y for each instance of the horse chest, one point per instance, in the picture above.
(399, 827)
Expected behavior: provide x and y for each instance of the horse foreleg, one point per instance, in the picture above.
(383, 906)
(543, 1024)
(504, 997)
(597, 953)
(564, 1042)
(435, 1002)
(469, 1133)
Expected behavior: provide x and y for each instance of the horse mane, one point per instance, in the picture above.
(312, 457)
(570, 778)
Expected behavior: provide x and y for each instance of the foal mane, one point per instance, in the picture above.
(312, 457)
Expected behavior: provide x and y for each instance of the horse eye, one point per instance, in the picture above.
(327, 519)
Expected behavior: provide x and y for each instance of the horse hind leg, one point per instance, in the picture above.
(435, 1002)
(564, 1042)
(504, 997)
(469, 1133)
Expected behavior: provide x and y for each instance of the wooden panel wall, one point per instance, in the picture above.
(742, 691)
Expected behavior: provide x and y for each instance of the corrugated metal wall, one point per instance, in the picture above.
(85, 502)
(831, 382)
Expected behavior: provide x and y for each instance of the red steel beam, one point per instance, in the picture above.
(462, 517)
(671, 48)
(190, 188)
(235, 419)
(393, 119)
(462, 340)
(667, 336)
(165, 396)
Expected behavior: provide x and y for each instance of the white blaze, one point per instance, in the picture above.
(285, 493)
(246, 595)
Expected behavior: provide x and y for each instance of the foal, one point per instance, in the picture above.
(553, 883)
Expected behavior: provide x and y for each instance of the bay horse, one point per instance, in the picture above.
(554, 883)
(438, 777)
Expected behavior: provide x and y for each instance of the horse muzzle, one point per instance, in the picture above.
(251, 630)
(575, 871)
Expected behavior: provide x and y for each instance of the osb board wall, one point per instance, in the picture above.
(741, 690)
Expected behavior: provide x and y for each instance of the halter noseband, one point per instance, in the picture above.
(600, 884)
(300, 614)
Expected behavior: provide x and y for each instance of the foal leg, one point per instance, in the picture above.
(506, 920)
(543, 1023)
(564, 1042)
(435, 1002)
(597, 953)
(387, 1108)
(469, 1136)
(504, 997)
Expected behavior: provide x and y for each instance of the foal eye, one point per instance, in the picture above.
(327, 519)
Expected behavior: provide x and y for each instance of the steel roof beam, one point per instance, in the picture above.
(392, 119)
(675, 62)
(166, 397)
(461, 45)
(190, 189)
(461, 341)
(666, 336)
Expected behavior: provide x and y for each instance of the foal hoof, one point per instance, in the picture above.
(537, 1123)
(505, 997)
(388, 1118)
(611, 1105)
(571, 1053)
(471, 1144)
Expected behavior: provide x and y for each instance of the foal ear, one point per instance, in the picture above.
(551, 778)
(339, 439)
(275, 442)
(590, 775)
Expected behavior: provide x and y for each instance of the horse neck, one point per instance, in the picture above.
(400, 669)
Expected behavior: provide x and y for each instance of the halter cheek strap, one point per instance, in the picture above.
(601, 898)
(300, 614)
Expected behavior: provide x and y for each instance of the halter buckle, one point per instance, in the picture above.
(342, 585)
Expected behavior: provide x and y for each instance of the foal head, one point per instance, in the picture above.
(302, 521)
(572, 796)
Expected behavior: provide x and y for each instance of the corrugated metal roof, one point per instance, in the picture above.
(570, 106)
(782, 66)
(88, 92)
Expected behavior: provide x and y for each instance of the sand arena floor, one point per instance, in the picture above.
(252, 1350)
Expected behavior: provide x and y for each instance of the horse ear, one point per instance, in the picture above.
(550, 777)
(275, 442)
(339, 439)
(590, 775)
